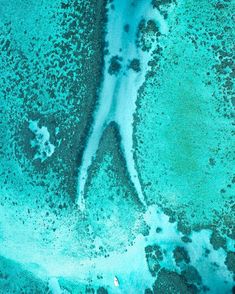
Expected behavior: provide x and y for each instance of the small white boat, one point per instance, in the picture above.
(116, 282)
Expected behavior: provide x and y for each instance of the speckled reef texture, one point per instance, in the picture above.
(117, 146)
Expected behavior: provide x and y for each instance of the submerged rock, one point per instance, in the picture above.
(172, 282)
(181, 255)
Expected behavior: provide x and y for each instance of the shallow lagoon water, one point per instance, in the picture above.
(117, 177)
(118, 93)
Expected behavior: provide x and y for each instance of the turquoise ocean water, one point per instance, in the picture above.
(117, 146)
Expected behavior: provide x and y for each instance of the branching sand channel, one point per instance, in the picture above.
(125, 68)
